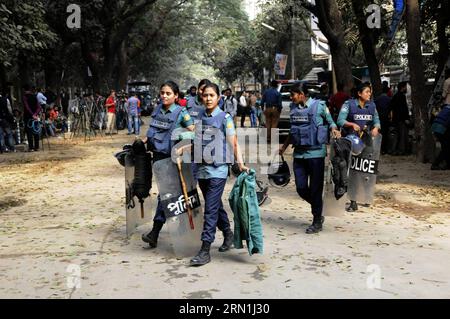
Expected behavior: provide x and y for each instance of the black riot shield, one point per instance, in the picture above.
(363, 173)
(134, 216)
(331, 205)
(184, 238)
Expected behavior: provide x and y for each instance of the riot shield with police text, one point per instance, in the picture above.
(331, 205)
(185, 239)
(363, 173)
(135, 215)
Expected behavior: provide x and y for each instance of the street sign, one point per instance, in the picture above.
(280, 64)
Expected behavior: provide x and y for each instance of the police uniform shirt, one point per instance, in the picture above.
(210, 171)
(343, 114)
(322, 112)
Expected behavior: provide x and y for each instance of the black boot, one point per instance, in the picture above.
(152, 237)
(353, 206)
(227, 241)
(316, 226)
(203, 256)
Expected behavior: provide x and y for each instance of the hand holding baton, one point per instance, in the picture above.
(185, 193)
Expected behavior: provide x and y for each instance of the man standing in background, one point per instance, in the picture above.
(400, 117)
(111, 109)
(271, 104)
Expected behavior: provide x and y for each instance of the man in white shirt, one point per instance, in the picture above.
(230, 103)
(244, 108)
(42, 100)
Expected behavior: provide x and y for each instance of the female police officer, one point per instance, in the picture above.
(167, 117)
(308, 135)
(195, 105)
(357, 115)
(218, 139)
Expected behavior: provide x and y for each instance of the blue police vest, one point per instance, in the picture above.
(305, 131)
(443, 117)
(214, 140)
(361, 116)
(161, 128)
(195, 110)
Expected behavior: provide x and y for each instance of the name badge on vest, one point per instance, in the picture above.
(363, 117)
(159, 124)
(300, 119)
(209, 129)
(194, 113)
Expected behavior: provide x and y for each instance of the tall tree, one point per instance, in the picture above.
(105, 27)
(330, 23)
(24, 34)
(417, 79)
(368, 42)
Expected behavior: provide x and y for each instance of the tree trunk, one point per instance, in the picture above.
(123, 67)
(417, 80)
(24, 70)
(368, 45)
(51, 79)
(342, 65)
(2, 77)
(442, 21)
(330, 23)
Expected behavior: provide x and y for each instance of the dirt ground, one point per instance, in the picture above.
(64, 208)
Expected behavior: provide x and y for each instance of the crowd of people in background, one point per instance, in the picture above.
(42, 113)
(48, 114)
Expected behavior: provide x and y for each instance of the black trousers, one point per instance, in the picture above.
(245, 112)
(309, 177)
(444, 155)
(33, 138)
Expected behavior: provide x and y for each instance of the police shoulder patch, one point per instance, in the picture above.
(230, 125)
(187, 117)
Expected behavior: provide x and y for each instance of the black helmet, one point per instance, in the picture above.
(279, 173)
(138, 147)
(261, 192)
(235, 169)
(120, 156)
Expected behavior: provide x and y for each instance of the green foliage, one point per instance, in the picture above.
(186, 41)
(23, 29)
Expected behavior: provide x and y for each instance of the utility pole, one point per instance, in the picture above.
(291, 10)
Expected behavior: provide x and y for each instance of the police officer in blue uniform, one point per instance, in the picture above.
(441, 130)
(217, 141)
(167, 117)
(195, 109)
(310, 124)
(195, 105)
(357, 115)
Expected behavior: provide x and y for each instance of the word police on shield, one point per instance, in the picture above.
(364, 165)
(74, 19)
